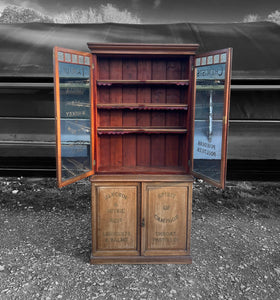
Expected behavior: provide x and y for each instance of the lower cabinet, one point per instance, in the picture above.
(141, 219)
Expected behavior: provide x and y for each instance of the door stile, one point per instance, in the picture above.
(95, 119)
(57, 117)
(226, 116)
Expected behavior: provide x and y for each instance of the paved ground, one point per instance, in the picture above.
(45, 242)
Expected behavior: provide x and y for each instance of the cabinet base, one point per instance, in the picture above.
(186, 259)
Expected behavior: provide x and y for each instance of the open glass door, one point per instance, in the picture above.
(210, 116)
(74, 115)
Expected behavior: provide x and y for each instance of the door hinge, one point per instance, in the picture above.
(94, 162)
(92, 66)
(225, 120)
(143, 223)
(189, 162)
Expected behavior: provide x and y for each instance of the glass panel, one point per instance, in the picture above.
(75, 124)
(216, 58)
(68, 57)
(208, 124)
(60, 56)
(74, 58)
(210, 60)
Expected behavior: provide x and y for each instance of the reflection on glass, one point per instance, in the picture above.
(74, 83)
(208, 125)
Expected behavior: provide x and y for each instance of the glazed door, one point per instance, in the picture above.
(74, 115)
(210, 115)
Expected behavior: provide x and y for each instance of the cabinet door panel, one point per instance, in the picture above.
(210, 116)
(166, 219)
(74, 114)
(115, 219)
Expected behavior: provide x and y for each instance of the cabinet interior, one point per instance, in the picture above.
(143, 115)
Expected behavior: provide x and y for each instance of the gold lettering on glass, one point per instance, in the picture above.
(81, 59)
(67, 57)
(74, 58)
(210, 60)
(60, 56)
(87, 62)
(203, 61)
(223, 58)
(216, 59)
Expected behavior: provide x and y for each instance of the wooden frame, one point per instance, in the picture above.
(56, 61)
(228, 62)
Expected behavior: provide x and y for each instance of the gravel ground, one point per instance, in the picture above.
(45, 241)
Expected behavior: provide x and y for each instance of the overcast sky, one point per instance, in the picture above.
(164, 11)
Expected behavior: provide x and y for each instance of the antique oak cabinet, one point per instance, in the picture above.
(141, 120)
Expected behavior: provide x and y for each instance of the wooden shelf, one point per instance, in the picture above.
(140, 82)
(142, 170)
(142, 106)
(140, 130)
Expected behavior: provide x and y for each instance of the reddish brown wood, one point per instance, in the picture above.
(143, 106)
(140, 49)
(116, 71)
(134, 82)
(174, 71)
(144, 118)
(158, 150)
(141, 130)
(150, 80)
(94, 151)
(142, 178)
(154, 85)
(145, 85)
(104, 144)
(129, 117)
(185, 147)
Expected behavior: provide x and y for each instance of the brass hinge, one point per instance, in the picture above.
(92, 66)
(224, 119)
(94, 162)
